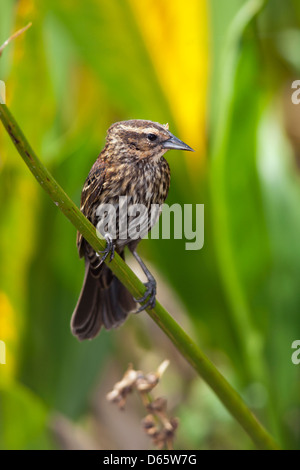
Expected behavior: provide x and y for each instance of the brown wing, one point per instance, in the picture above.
(90, 197)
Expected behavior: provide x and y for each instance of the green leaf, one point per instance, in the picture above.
(23, 419)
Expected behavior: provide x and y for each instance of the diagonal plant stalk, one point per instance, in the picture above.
(13, 36)
(186, 346)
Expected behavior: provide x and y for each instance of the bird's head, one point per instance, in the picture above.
(143, 139)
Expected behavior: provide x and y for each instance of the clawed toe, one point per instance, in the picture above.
(109, 249)
(150, 294)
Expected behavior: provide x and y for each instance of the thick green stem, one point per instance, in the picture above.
(228, 396)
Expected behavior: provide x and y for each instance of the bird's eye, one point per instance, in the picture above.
(152, 137)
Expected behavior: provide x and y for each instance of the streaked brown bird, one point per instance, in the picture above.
(132, 164)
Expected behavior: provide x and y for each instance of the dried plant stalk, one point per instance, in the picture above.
(156, 424)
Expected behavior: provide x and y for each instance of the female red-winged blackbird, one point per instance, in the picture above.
(132, 165)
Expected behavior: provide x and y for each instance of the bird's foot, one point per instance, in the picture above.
(150, 294)
(109, 249)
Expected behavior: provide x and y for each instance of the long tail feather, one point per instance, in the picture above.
(101, 303)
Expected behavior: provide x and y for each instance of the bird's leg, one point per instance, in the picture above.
(150, 293)
(109, 249)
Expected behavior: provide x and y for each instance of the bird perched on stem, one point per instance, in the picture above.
(131, 166)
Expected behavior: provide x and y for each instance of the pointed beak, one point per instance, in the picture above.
(174, 143)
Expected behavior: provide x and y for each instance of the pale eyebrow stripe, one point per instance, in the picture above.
(140, 130)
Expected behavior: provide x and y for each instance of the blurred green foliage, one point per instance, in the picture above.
(222, 79)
